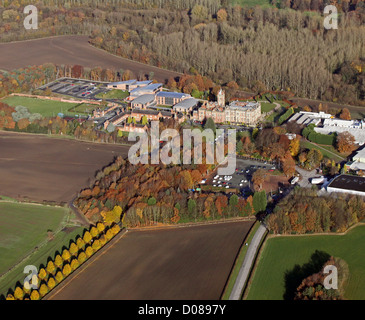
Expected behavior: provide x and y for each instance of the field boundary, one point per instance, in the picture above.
(192, 224)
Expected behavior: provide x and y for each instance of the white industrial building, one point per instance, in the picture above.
(307, 118)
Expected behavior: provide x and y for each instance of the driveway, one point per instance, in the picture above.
(306, 177)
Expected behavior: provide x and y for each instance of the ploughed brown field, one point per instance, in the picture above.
(71, 50)
(41, 168)
(190, 263)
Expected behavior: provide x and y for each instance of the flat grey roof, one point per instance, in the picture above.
(187, 103)
(145, 98)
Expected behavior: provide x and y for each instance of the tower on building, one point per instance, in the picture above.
(221, 98)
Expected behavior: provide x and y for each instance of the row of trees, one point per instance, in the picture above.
(303, 211)
(65, 263)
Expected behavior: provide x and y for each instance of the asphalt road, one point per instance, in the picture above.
(247, 264)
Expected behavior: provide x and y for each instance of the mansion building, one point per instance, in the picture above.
(237, 112)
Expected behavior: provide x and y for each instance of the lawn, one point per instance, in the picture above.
(83, 109)
(113, 94)
(327, 151)
(46, 108)
(281, 254)
(24, 227)
(267, 107)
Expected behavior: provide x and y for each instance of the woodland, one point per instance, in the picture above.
(283, 46)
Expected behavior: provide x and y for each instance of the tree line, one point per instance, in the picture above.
(303, 211)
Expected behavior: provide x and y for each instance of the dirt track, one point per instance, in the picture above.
(70, 50)
(191, 263)
(42, 168)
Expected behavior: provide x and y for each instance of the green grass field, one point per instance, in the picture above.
(24, 227)
(46, 108)
(83, 109)
(113, 94)
(327, 151)
(281, 254)
(267, 107)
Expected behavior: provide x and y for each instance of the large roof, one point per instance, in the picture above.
(360, 154)
(187, 103)
(143, 99)
(176, 95)
(348, 182)
(151, 88)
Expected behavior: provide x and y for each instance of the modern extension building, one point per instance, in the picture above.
(170, 98)
(347, 184)
(128, 85)
(152, 88)
(186, 105)
(143, 101)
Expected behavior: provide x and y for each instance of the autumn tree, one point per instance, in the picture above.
(34, 295)
(345, 114)
(51, 283)
(288, 164)
(18, 293)
(66, 255)
(294, 147)
(51, 268)
(345, 142)
(258, 178)
(43, 290)
(66, 270)
(58, 261)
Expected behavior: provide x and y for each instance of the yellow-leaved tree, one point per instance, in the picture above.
(34, 295)
(51, 283)
(58, 261)
(43, 290)
(112, 216)
(18, 293)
